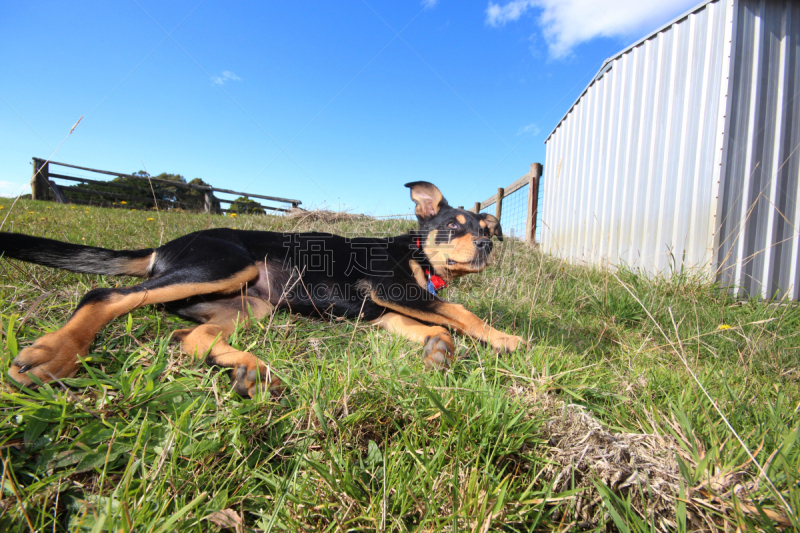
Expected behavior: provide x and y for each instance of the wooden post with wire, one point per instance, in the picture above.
(40, 186)
(531, 179)
(533, 202)
(208, 202)
(498, 208)
(43, 187)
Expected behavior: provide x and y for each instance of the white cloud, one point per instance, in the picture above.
(532, 128)
(567, 23)
(12, 190)
(429, 4)
(226, 76)
(497, 15)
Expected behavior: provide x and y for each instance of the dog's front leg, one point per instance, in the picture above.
(455, 316)
(438, 351)
(467, 323)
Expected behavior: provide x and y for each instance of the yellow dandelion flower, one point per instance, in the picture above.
(123, 202)
(41, 218)
(725, 326)
(150, 218)
(2, 207)
(72, 207)
(30, 212)
(233, 215)
(134, 209)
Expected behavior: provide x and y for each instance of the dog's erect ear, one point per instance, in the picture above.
(428, 198)
(493, 225)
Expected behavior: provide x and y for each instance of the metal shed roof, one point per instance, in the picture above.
(606, 66)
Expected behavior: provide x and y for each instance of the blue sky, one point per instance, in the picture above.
(337, 104)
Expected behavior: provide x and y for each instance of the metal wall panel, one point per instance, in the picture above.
(759, 216)
(632, 168)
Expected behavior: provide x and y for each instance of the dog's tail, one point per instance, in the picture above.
(75, 257)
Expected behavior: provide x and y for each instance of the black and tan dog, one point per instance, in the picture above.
(220, 276)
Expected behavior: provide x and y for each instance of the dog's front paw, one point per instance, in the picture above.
(505, 343)
(251, 382)
(438, 352)
(48, 358)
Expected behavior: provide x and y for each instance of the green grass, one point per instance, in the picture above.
(598, 424)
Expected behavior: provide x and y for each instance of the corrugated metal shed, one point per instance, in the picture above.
(759, 218)
(681, 152)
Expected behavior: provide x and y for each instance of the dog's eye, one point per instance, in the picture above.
(452, 225)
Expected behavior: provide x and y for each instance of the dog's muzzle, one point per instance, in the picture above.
(484, 245)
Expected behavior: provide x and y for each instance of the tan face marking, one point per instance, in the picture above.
(461, 250)
(461, 218)
(482, 223)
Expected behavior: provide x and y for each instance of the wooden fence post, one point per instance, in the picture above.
(35, 180)
(477, 207)
(498, 208)
(58, 196)
(533, 202)
(208, 202)
(40, 187)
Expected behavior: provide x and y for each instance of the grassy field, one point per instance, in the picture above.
(639, 404)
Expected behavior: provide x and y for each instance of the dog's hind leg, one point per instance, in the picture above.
(220, 317)
(55, 355)
(438, 342)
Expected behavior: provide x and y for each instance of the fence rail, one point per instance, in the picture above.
(523, 205)
(43, 188)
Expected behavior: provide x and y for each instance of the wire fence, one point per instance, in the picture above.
(141, 191)
(515, 215)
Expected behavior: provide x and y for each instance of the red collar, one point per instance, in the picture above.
(436, 282)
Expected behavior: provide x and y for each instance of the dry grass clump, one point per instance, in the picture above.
(582, 453)
(606, 471)
(323, 215)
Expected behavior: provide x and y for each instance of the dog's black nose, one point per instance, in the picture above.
(484, 245)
